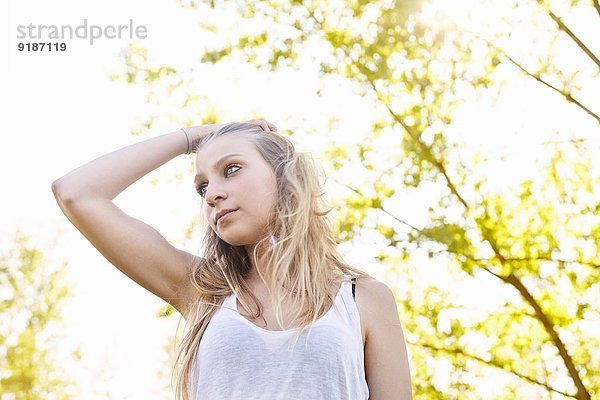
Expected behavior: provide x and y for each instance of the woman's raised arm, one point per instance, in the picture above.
(139, 251)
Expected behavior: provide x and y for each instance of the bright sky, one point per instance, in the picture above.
(59, 110)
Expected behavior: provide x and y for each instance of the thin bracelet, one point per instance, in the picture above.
(189, 141)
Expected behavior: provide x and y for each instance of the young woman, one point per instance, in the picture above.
(271, 311)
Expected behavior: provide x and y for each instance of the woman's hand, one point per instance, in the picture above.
(264, 124)
(198, 132)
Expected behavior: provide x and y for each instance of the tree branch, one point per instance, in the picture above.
(537, 77)
(565, 29)
(567, 96)
(589, 264)
(524, 259)
(492, 363)
(441, 168)
(513, 280)
(582, 392)
(381, 208)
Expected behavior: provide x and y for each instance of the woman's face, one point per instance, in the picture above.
(232, 175)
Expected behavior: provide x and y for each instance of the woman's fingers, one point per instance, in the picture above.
(265, 125)
(272, 127)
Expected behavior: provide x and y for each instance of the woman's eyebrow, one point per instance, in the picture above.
(216, 166)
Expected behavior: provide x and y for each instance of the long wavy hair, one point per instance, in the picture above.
(298, 255)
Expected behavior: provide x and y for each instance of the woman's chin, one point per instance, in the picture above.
(233, 240)
(238, 238)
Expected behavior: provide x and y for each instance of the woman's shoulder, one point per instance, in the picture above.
(373, 299)
(371, 288)
(361, 280)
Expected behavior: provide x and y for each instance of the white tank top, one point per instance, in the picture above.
(239, 360)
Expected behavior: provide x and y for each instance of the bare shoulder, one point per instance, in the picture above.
(373, 291)
(387, 368)
(376, 302)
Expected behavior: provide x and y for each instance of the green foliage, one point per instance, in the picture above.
(32, 297)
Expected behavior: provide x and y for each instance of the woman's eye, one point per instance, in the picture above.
(231, 165)
(202, 187)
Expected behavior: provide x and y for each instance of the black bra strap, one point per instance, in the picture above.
(353, 287)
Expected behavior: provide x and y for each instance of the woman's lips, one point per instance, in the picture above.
(225, 216)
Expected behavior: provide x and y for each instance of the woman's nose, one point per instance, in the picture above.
(214, 192)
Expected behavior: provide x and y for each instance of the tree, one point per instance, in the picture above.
(32, 294)
(534, 241)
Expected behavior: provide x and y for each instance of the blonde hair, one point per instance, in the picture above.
(303, 258)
